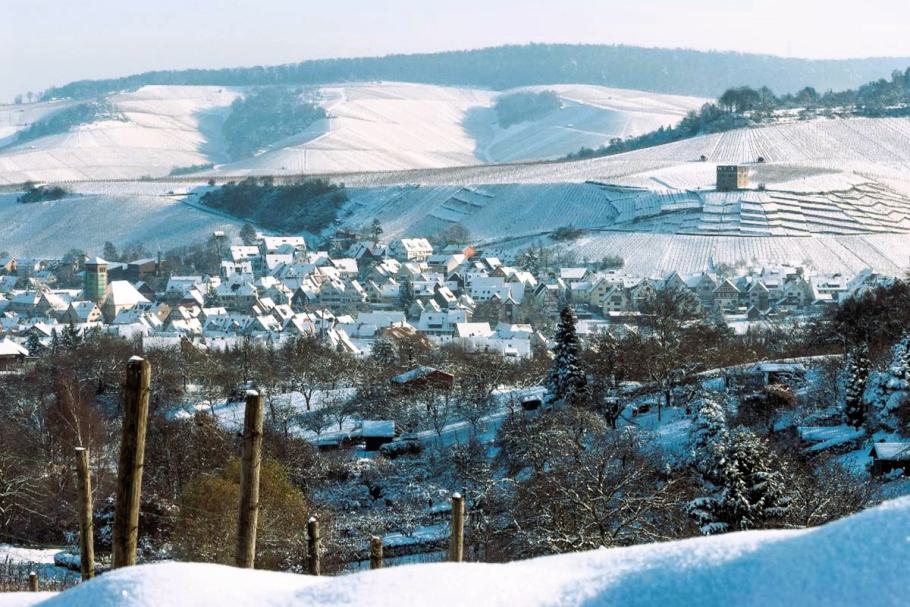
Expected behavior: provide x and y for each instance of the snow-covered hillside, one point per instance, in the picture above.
(855, 561)
(400, 126)
(370, 127)
(139, 213)
(162, 127)
(831, 194)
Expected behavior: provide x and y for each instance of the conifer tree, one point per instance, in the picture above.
(70, 340)
(406, 296)
(752, 488)
(891, 388)
(384, 352)
(33, 345)
(566, 380)
(708, 437)
(376, 232)
(55, 342)
(857, 372)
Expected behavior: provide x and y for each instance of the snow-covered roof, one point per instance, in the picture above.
(123, 293)
(891, 451)
(473, 329)
(371, 428)
(415, 373)
(11, 348)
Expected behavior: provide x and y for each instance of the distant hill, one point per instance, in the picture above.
(678, 71)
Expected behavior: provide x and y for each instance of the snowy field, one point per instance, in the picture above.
(370, 127)
(832, 194)
(142, 214)
(163, 127)
(400, 126)
(855, 561)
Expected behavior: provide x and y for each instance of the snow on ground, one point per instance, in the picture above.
(162, 127)
(834, 194)
(139, 214)
(14, 118)
(20, 554)
(855, 561)
(589, 117)
(512, 216)
(40, 560)
(370, 127)
(397, 126)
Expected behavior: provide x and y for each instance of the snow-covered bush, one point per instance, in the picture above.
(888, 392)
(707, 436)
(857, 373)
(752, 490)
(566, 380)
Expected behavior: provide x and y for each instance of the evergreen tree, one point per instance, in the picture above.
(376, 231)
(384, 352)
(33, 345)
(891, 388)
(566, 380)
(708, 436)
(71, 339)
(752, 491)
(857, 372)
(405, 295)
(110, 252)
(55, 342)
(248, 234)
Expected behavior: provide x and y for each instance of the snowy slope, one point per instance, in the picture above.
(163, 127)
(397, 126)
(105, 212)
(370, 127)
(589, 117)
(856, 561)
(831, 194)
(14, 118)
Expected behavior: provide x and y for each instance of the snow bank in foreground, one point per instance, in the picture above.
(857, 561)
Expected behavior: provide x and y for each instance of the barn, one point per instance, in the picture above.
(11, 354)
(423, 377)
(887, 457)
(376, 433)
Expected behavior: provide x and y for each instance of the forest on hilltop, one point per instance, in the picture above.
(680, 71)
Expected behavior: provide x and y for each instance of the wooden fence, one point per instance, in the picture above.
(129, 487)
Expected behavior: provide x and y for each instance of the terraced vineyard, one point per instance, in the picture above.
(834, 194)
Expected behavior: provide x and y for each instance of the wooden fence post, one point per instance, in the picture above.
(86, 525)
(132, 455)
(375, 552)
(251, 463)
(33, 581)
(312, 531)
(456, 543)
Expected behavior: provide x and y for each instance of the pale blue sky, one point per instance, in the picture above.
(50, 42)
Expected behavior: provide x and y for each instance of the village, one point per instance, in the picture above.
(277, 288)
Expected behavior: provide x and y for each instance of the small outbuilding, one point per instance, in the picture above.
(376, 433)
(769, 373)
(423, 377)
(11, 354)
(887, 457)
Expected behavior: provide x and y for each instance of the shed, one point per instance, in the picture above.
(531, 403)
(421, 377)
(788, 374)
(376, 433)
(890, 456)
(11, 354)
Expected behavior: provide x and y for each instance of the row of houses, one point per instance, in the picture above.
(276, 288)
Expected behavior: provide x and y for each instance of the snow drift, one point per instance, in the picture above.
(860, 560)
